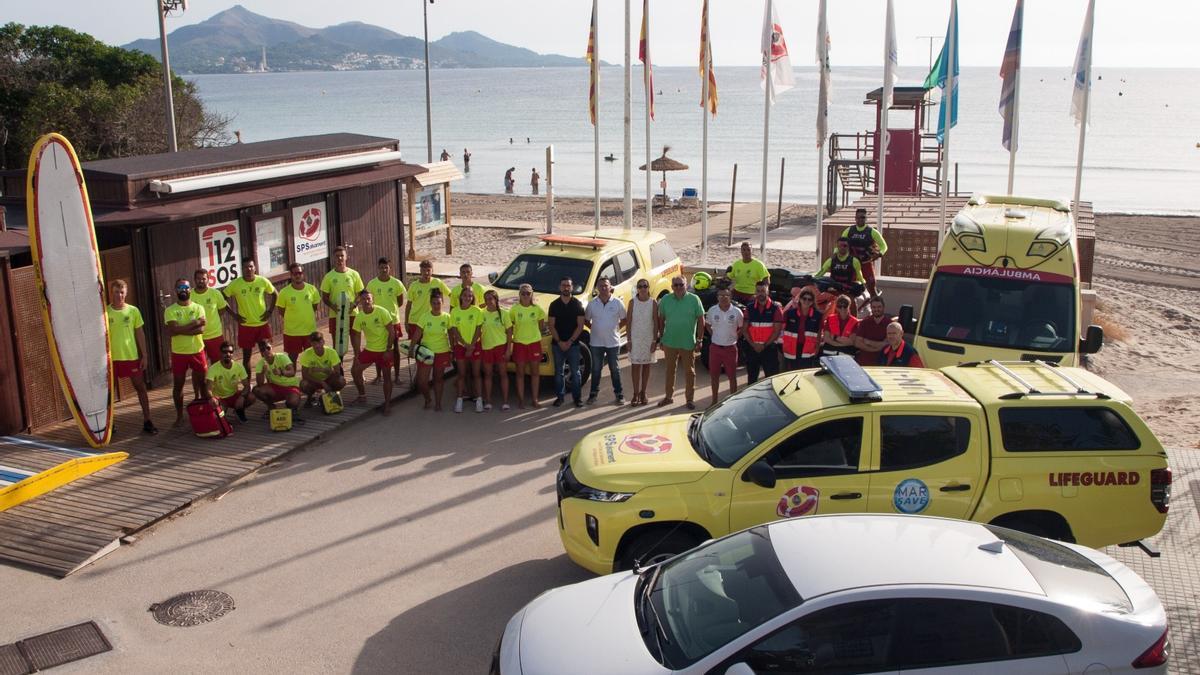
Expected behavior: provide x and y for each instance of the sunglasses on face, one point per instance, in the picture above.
(183, 287)
(643, 285)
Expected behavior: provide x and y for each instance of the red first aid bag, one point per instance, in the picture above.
(208, 419)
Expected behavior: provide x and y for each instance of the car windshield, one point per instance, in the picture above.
(1009, 313)
(544, 272)
(742, 421)
(717, 593)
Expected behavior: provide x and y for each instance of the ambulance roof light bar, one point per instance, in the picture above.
(568, 240)
(854, 380)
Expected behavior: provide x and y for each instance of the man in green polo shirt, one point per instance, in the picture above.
(681, 327)
(745, 273)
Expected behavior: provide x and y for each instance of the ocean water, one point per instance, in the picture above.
(1142, 153)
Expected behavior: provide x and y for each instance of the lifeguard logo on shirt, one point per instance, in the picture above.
(801, 500)
(645, 444)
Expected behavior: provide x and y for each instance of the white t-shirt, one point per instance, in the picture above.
(725, 324)
(605, 321)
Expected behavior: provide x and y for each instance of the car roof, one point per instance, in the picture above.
(831, 553)
(992, 382)
(996, 211)
(812, 390)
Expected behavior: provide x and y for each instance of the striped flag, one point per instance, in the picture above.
(644, 54)
(1083, 63)
(826, 80)
(593, 66)
(777, 75)
(1008, 72)
(706, 61)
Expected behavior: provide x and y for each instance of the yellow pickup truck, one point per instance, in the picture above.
(1032, 446)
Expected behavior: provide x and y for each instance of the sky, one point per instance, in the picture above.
(1146, 33)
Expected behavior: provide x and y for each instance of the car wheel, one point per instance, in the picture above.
(654, 547)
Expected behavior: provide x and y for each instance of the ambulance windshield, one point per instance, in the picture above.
(1008, 313)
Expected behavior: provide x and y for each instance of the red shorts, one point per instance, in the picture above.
(249, 336)
(212, 348)
(530, 353)
(181, 363)
(722, 359)
(460, 353)
(410, 330)
(495, 355)
(370, 358)
(441, 361)
(229, 401)
(294, 344)
(127, 368)
(279, 392)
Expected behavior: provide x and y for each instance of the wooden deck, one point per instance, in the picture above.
(66, 529)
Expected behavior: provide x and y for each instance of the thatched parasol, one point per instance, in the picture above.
(665, 164)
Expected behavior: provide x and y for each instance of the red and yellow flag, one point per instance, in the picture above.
(644, 55)
(593, 66)
(706, 61)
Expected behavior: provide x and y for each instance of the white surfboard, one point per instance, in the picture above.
(66, 260)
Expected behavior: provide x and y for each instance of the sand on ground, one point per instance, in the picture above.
(1146, 275)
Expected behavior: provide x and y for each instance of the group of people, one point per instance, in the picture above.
(510, 182)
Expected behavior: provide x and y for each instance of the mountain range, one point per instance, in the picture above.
(237, 39)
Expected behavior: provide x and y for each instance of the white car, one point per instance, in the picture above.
(850, 594)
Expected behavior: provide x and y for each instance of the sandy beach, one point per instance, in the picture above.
(1147, 276)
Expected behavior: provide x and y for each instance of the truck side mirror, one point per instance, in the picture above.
(492, 276)
(761, 474)
(1092, 341)
(907, 321)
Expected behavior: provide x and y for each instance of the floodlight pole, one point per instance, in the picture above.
(428, 113)
(162, 7)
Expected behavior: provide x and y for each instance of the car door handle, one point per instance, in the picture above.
(955, 488)
(846, 495)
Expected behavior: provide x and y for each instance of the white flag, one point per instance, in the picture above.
(892, 60)
(777, 76)
(823, 65)
(1083, 63)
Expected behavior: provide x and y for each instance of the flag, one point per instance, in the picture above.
(1008, 73)
(593, 66)
(938, 76)
(1083, 63)
(644, 54)
(892, 62)
(777, 76)
(826, 82)
(706, 61)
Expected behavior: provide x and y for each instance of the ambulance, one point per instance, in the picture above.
(1006, 286)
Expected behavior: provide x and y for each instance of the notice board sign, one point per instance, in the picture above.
(310, 234)
(270, 249)
(220, 252)
(431, 212)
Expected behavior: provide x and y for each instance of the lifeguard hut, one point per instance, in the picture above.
(913, 155)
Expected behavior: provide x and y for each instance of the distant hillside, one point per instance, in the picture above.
(233, 40)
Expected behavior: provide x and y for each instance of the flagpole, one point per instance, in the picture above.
(1016, 112)
(822, 108)
(596, 124)
(1087, 90)
(762, 244)
(704, 111)
(885, 100)
(646, 65)
(948, 91)
(628, 157)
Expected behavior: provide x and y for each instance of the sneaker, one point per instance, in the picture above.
(558, 402)
(479, 405)
(578, 403)
(504, 407)
(149, 428)
(241, 414)
(488, 407)
(458, 405)
(620, 400)
(591, 399)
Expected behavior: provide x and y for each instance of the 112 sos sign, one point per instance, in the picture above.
(220, 252)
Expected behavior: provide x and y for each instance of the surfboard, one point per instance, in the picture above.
(66, 261)
(341, 336)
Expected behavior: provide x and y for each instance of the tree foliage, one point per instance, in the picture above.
(108, 101)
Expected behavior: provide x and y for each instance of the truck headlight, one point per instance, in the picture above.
(595, 495)
(1042, 249)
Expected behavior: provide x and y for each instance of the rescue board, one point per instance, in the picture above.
(341, 334)
(66, 260)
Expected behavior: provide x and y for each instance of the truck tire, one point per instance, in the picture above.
(653, 546)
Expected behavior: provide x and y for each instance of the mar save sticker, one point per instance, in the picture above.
(645, 444)
(801, 500)
(910, 496)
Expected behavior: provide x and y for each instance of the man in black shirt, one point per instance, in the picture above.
(567, 315)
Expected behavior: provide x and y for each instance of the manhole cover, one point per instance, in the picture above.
(192, 608)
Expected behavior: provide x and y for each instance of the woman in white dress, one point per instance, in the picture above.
(643, 339)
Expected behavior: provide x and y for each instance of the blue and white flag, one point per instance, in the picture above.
(937, 77)
(1009, 68)
(1083, 66)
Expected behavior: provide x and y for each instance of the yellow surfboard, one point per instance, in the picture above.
(66, 260)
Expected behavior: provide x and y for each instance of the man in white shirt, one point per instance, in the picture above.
(605, 317)
(723, 321)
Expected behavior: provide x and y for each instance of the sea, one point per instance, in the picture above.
(1141, 155)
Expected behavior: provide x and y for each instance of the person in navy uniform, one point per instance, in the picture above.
(897, 352)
